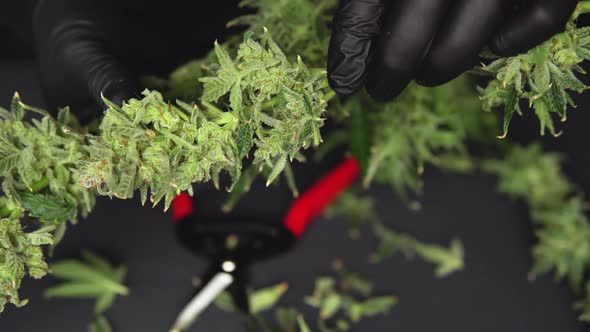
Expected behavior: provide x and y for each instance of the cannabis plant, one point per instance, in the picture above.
(90, 278)
(340, 301)
(275, 109)
(254, 104)
(40, 191)
(544, 76)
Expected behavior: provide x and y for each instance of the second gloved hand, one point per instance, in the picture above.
(78, 45)
(89, 48)
(383, 45)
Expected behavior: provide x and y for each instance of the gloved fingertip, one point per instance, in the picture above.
(532, 26)
(88, 113)
(431, 77)
(503, 48)
(346, 75)
(343, 89)
(355, 25)
(117, 91)
(428, 83)
(384, 92)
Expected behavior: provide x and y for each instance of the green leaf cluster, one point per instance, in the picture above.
(544, 76)
(448, 260)
(37, 157)
(346, 300)
(20, 256)
(422, 127)
(301, 27)
(260, 300)
(40, 191)
(359, 210)
(90, 278)
(341, 301)
(557, 209)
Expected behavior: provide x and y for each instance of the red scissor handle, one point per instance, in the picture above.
(182, 207)
(314, 200)
(304, 209)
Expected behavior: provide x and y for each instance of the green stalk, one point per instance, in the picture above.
(40, 185)
(583, 8)
(273, 102)
(329, 96)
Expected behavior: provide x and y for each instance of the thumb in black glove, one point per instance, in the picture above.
(384, 45)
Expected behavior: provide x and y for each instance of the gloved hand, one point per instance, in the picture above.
(383, 45)
(79, 45)
(86, 48)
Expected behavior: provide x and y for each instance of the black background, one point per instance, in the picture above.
(491, 294)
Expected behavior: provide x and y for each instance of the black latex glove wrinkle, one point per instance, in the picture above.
(86, 48)
(383, 45)
(77, 43)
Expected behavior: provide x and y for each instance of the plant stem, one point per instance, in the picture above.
(329, 95)
(271, 103)
(583, 8)
(40, 185)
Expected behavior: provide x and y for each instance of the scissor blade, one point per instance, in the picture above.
(202, 300)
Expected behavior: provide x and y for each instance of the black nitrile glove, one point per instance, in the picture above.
(79, 45)
(383, 45)
(86, 48)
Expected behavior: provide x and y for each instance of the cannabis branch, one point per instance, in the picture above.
(265, 99)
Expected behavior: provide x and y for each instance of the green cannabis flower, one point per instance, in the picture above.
(20, 255)
(51, 169)
(301, 27)
(346, 300)
(276, 109)
(424, 126)
(557, 209)
(544, 76)
(36, 161)
(395, 141)
(342, 301)
(250, 100)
